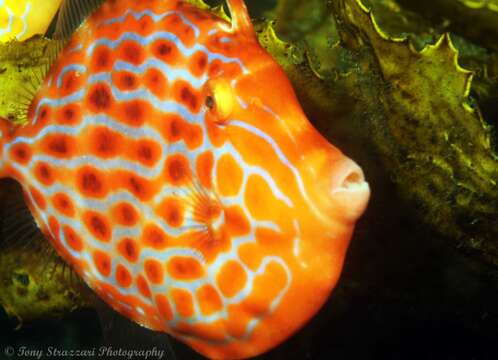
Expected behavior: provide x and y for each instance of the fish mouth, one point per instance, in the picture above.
(349, 190)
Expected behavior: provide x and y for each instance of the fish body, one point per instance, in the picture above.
(169, 163)
(21, 19)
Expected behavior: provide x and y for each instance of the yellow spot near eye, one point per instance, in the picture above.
(222, 97)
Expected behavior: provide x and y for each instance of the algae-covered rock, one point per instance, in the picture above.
(411, 95)
(22, 65)
(432, 136)
(34, 282)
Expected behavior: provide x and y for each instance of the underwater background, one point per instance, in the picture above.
(389, 82)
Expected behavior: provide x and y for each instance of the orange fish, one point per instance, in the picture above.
(169, 162)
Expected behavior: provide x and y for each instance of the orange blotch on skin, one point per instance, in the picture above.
(164, 307)
(204, 168)
(99, 98)
(102, 59)
(238, 321)
(251, 255)
(91, 182)
(229, 176)
(209, 300)
(124, 214)
(38, 198)
(104, 142)
(125, 80)
(44, 113)
(54, 227)
(266, 288)
(217, 135)
(198, 63)
(134, 112)
(132, 52)
(184, 268)
(231, 279)
(70, 114)
(21, 153)
(98, 225)
(173, 127)
(72, 239)
(70, 83)
(103, 262)
(166, 51)
(63, 204)
(59, 145)
(129, 249)
(154, 237)
(44, 173)
(156, 82)
(183, 302)
(178, 170)
(123, 276)
(193, 136)
(171, 210)
(213, 331)
(142, 188)
(187, 95)
(154, 271)
(143, 286)
(148, 152)
(236, 222)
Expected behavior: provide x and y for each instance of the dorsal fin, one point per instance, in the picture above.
(72, 14)
(241, 20)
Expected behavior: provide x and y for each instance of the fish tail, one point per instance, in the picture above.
(5, 129)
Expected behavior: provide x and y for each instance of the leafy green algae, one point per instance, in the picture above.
(411, 94)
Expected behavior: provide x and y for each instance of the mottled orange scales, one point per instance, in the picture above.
(73, 239)
(38, 198)
(44, 173)
(183, 302)
(69, 114)
(92, 182)
(166, 51)
(146, 152)
(184, 268)
(209, 300)
(104, 142)
(156, 82)
(131, 52)
(98, 225)
(168, 161)
(102, 59)
(129, 249)
(125, 214)
(103, 262)
(64, 205)
(164, 307)
(154, 271)
(229, 176)
(21, 153)
(123, 276)
(172, 211)
(204, 168)
(143, 286)
(154, 237)
(231, 278)
(177, 170)
(125, 80)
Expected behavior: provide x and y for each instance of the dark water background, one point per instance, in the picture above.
(405, 293)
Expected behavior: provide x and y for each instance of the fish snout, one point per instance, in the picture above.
(348, 189)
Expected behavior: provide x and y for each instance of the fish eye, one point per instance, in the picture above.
(220, 99)
(209, 102)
